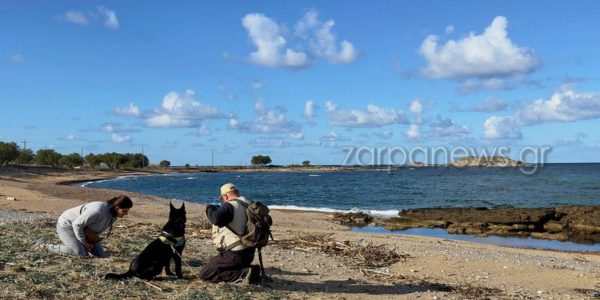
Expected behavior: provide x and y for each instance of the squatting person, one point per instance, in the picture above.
(79, 227)
(234, 260)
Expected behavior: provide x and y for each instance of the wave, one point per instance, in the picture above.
(371, 212)
(86, 183)
(313, 175)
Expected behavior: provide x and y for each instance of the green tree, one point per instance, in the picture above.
(261, 160)
(8, 152)
(187, 166)
(47, 157)
(113, 160)
(165, 164)
(71, 160)
(306, 163)
(25, 157)
(92, 160)
(135, 160)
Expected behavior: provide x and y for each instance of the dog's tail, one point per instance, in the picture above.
(116, 276)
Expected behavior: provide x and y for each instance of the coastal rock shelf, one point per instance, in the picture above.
(579, 224)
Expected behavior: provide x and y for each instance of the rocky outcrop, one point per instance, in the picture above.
(567, 223)
(485, 161)
(352, 219)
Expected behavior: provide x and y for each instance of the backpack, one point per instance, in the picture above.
(258, 229)
(258, 226)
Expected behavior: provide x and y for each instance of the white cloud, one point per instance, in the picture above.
(269, 143)
(373, 116)
(449, 29)
(314, 38)
(296, 135)
(474, 84)
(103, 15)
(202, 131)
(491, 104)
(446, 128)
(71, 137)
(181, 111)
(310, 110)
(490, 54)
(120, 139)
(329, 106)
(416, 108)
(16, 59)
(257, 84)
(270, 44)
(267, 121)
(501, 128)
(76, 17)
(131, 110)
(110, 17)
(413, 131)
(115, 128)
(565, 105)
(331, 139)
(323, 41)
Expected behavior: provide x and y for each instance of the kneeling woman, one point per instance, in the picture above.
(79, 227)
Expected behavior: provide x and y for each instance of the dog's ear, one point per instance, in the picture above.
(171, 205)
(183, 206)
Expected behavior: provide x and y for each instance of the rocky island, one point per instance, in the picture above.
(486, 161)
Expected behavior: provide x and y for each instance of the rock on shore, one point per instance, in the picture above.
(567, 223)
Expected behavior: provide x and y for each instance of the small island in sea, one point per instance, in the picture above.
(486, 161)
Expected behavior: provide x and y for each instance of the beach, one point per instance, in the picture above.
(306, 261)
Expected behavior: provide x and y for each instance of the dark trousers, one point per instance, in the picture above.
(227, 266)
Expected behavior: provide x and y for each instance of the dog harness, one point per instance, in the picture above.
(169, 239)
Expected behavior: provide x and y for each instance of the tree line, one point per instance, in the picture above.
(11, 153)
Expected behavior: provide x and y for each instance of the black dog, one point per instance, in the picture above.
(157, 255)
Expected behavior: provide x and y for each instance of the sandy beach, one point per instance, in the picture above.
(430, 268)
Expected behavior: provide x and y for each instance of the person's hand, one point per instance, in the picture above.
(88, 247)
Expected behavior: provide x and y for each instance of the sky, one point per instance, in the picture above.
(205, 83)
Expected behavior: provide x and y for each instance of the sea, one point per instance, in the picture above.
(383, 193)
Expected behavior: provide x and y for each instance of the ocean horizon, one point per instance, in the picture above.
(381, 193)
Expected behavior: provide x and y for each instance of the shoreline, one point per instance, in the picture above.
(390, 220)
(432, 262)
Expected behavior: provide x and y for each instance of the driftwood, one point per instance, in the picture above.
(359, 254)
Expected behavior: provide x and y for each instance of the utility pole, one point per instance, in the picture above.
(143, 157)
(24, 144)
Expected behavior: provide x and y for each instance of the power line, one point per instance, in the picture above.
(24, 144)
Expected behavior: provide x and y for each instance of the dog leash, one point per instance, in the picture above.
(183, 260)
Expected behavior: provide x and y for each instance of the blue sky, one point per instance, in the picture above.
(299, 80)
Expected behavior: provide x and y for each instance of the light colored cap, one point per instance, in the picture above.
(228, 187)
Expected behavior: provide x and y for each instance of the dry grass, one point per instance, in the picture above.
(31, 274)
